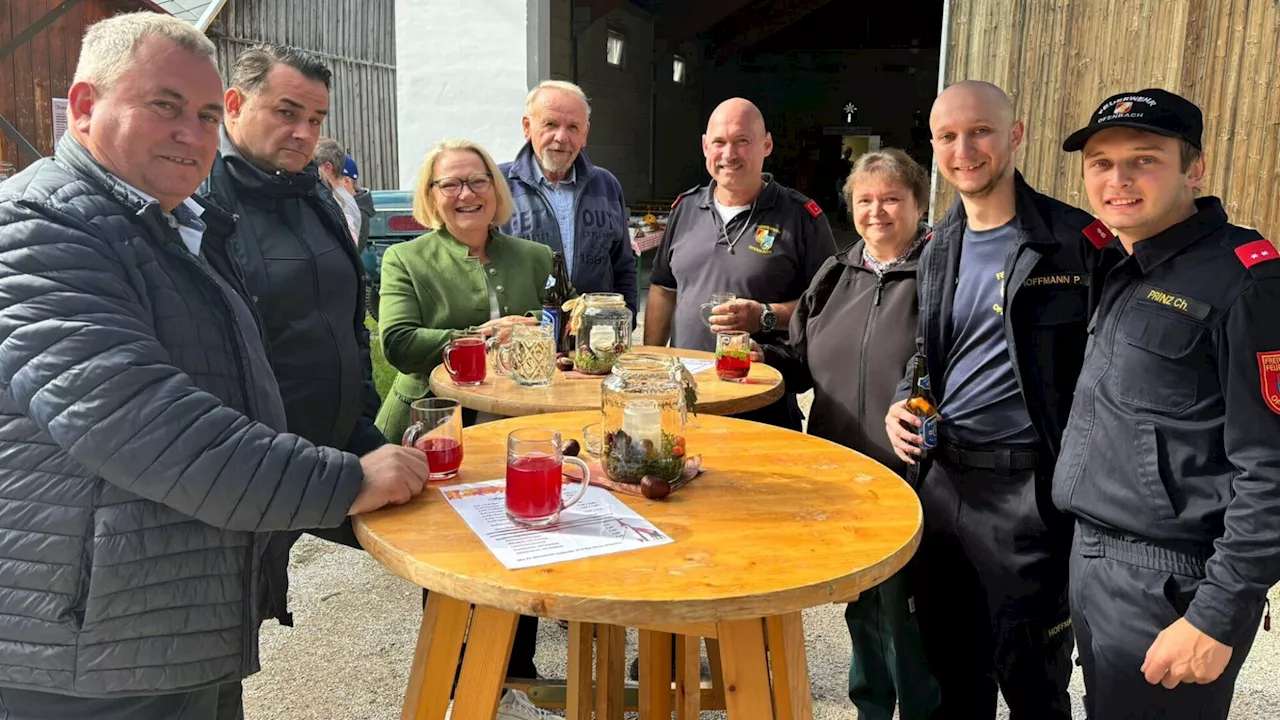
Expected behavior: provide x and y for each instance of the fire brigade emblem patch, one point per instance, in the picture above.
(1269, 369)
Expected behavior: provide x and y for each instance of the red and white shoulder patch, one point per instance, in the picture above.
(1099, 234)
(812, 207)
(1269, 371)
(1258, 251)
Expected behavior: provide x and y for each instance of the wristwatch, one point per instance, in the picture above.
(768, 318)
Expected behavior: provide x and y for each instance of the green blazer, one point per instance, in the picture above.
(430, 287)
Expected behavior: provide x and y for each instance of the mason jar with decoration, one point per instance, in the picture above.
(604, 333)
(643, 425)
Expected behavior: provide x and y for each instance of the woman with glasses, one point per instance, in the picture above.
(464, 274)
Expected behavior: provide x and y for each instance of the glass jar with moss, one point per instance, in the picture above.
(643, 423)
(604, 333)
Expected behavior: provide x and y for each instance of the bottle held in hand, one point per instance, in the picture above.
(922, 405)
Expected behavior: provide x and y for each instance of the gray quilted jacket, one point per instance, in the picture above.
(136, 494)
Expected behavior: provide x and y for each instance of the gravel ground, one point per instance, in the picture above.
(348, 656)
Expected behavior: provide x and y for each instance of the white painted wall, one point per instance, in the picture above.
(463, 70)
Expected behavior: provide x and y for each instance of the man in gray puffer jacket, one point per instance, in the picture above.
(142, 465)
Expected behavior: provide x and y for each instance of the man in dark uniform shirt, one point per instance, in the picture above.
(1171, 457)
(745, 234)
(1004, 289)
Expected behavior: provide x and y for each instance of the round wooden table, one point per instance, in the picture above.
(500, 395)
(779, 522)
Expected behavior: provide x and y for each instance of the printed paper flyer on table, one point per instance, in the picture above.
(599, 524)
(697, 366)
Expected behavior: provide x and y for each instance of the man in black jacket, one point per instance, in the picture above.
(1004, 302)
(291, 242)
(299, 261)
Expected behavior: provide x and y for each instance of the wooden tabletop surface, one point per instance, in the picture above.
(779, 522)
(501, 396)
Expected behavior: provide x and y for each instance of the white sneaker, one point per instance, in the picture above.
(515, 705)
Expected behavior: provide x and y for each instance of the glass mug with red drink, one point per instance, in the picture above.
(464, 357)
(733, 355)
(437, 432)
(535, 474)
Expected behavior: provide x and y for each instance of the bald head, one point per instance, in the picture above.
(976, 94)
(735, 146)
(974, 137)
(739, 112)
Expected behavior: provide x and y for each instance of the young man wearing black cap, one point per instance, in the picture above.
(1170, 460)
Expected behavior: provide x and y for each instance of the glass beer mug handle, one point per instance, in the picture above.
(414, 432)
(705, 311)
(586, 481)
(444, 356)
(502, 357)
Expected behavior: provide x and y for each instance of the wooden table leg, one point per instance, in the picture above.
(717, 674)
(435, 660)
(746, 672)
(484, 667)
(578, 680)
(655, 675)
(688, 677)
(791, 692)
(611, 669)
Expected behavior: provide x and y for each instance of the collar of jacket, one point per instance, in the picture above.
(525, 167)
(1209, 218)
(458, 250)
(1027, 219)
(75, 156)
(765, 200)
(852, 255)
(259, 183)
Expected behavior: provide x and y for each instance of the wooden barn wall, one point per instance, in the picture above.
(357, 41)
(1059, 58)
(41, 68)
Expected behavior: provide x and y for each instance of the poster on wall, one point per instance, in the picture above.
(59, 119)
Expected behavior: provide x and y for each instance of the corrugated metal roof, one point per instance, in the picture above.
(197, 12)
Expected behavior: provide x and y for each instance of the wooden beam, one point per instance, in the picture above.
(763, 21)
(690, 18)
(45, 21)
(598, 8)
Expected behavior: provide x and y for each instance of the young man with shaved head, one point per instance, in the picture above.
(1171, 460)
(745, 234)
(1005, 295)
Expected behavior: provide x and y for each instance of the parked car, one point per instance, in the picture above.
(391, 223)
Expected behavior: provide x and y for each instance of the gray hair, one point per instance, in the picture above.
(531, 99)
(109, 45)
(249, 74)
(329, 151)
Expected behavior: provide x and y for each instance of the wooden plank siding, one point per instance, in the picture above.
(42, 68)
(357, 42)
(1059, 58)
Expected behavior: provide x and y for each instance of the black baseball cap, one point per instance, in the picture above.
(1153, 110)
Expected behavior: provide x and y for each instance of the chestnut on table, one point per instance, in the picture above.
(499, 395)
(779, 522)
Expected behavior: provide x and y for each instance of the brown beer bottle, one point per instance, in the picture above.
(922, 405)
(553, 302)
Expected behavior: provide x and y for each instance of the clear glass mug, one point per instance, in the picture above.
(528, 357)
(535, 476)
(437, 432)
(733, 355)
(716, 299)
(464, 357)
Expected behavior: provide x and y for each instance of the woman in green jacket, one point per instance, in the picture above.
(465, 274)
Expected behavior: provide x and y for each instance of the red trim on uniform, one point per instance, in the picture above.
(1099, 234)
(1257, 251)
(812, 207)
(677, 202)
(1269, 371)
(928, 237)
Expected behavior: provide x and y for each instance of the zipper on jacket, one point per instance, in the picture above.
(872, 313)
